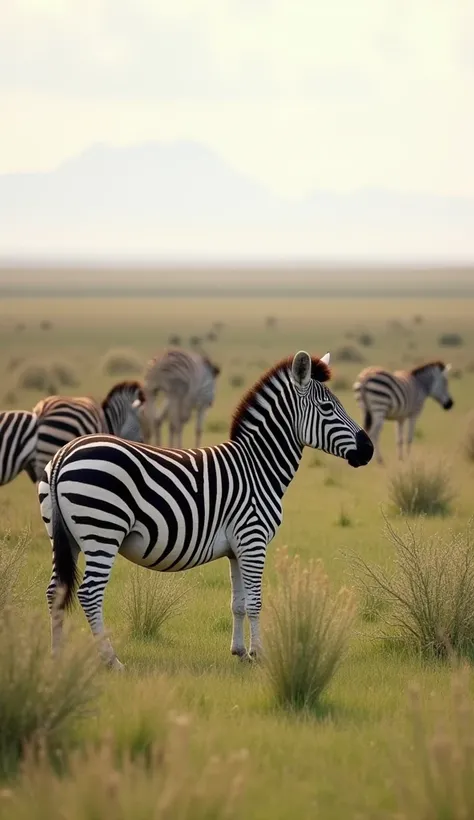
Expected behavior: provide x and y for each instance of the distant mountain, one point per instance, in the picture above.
(180, 197)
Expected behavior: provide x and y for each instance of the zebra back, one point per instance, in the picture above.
(62, 419)
(186, 375)
(18, 440)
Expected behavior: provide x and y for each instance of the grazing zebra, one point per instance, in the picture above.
(170, 510)
(188, 381)
(18, 440)
(63, 418)
(399, 397)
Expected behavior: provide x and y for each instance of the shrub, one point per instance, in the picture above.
(418, 319)
(365, 339)
(434, 776)
(307, 633)
(271, 321)
(348, 353)
(450, 340)
(97, 785)
(344, 520)
(14, 363)
(236, 380)
(211, 336)
(41, 699)
(174, 340)
(340, 383)
(421, 489)
(427, 600)
(153, 598)
(45, 324)
(36, 377)
(121, 363)
(195, 341)
(64, 375)
(10, 398)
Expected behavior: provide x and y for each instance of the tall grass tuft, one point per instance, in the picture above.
(153, 598)
(121, 362)
(469, 440)
(435, 779)
(12, 562)
(169, 786)
(307, 633)
(421, 489)
(427, 600)
(41, 699)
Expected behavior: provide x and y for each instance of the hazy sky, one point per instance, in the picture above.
(298, 93)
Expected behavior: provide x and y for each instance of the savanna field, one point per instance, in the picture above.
(188, 730)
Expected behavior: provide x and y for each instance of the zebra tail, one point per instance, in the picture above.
(65, 559)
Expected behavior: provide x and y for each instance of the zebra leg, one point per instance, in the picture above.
(99, 561)
(400, 429)
(200, 413)
(238, 610)
(251, 567)
(411, 433)
(374, 434)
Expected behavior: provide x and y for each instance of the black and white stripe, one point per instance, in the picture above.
(63, 418)
(170, 510)
(18, 440)
(188, 380)
(400, 397)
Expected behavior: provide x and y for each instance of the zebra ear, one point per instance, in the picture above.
(301, 368)
(137, 403)
(447, 368)
(326, 358)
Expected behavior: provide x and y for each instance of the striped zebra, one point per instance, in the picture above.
(400, 397)
(18, 440)
(187, 379)
(170, 510)
(63, 418)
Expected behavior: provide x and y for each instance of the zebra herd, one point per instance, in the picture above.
(105, 490)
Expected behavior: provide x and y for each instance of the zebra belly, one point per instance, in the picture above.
(134, 547)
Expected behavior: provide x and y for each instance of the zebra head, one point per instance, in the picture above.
(121, 409)
(321, 419)
(434, 379)
(439, 387)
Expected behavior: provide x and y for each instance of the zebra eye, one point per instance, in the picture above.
(326, 406)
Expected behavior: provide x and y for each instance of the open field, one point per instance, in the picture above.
(342, 762)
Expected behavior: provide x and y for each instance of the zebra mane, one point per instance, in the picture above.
(422, 367)
(320, 372)
(129, 386)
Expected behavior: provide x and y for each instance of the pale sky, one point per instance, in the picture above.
(300, 94)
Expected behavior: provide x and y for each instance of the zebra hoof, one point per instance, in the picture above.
(115, 665)
(239, 652)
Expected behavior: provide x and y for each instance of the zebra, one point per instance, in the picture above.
(400, 397)
(171, 510)
(18, 442)
(63, 418)
(188, 380)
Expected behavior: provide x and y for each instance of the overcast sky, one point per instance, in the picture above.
(297, 93)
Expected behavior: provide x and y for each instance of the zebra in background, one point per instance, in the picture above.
(188, 380)
(63, 418)
(18, 441)
(400, 397)
(170, 510)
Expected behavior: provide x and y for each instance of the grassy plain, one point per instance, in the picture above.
(342, 763)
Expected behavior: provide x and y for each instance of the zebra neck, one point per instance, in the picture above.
(274, 455)
(424, 381)
(113, 419)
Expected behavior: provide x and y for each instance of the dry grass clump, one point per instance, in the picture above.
(237, 380)
(41, 698)
(348, 353)
(365, 339)
(426, 600)
(217, 426)
(153, 598)
(121, 362)
(10, 398)
(450, 340)
(14, 363)
(307, 632)
(421, 489)
(168, 786)
(340, 383)
(46, 324)
(64, 374)
(435, 776)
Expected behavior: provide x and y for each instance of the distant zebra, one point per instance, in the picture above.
(63, 418)
(18, 440)
(399, 397)
(170, 510)
(187, 379)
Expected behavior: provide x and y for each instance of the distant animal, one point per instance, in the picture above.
(170, 510)
(63, 418)
(188, 381)
(18, 442)
(399, 396)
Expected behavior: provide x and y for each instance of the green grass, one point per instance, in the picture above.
(339, 762)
